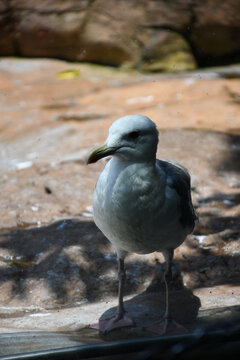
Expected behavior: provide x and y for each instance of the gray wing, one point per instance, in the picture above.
(179, 179)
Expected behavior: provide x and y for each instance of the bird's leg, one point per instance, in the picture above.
(160, 327)
(120, 319)
(173, 270)
(121, 280)
(166, 314)
(166, 325)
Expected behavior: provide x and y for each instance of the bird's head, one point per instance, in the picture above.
(131, 138)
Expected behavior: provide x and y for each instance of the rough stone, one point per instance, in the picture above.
(124, 33)
(215, 31)
(58, 272)
(166, 51)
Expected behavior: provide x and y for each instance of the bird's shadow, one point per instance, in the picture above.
(149, 306)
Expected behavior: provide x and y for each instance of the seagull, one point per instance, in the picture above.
(141, 204)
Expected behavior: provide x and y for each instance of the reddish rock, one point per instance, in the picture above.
(215, 32)
(153, 35)
(51, 253)
(7, 46)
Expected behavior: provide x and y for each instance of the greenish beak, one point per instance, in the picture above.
(100, 152)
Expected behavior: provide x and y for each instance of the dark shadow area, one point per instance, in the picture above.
(231, 161)
(227, 199)
(223, 222)
(215, 245)
(73, 250)
(39, 253)
(63, 252)
(149, 307)
(211, 270)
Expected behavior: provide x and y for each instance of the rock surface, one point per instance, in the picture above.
(58, 272)
(153, 35)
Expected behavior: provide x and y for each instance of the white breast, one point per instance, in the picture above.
(136, 209)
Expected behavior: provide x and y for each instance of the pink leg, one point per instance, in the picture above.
(166, 325)
(120, 319)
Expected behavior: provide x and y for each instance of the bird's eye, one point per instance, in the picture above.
(134, 134)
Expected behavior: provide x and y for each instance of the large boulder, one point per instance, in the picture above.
(215, 32)
(6, 39)
(150, 35)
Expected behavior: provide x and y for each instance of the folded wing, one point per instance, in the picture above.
(179, 179)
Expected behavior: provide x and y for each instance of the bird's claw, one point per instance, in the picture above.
(112, 323)
(166, 326)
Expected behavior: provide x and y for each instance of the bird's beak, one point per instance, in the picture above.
(100, 152)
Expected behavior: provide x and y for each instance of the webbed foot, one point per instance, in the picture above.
(166, 326)
(112, 323)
